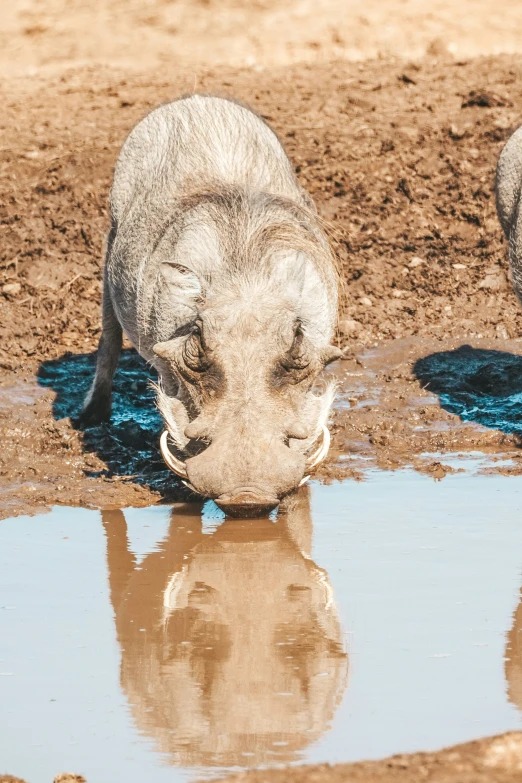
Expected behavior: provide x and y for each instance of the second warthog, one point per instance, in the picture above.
(219, 273)
(509, 204)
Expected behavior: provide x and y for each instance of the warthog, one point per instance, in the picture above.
(219, 273)
(508, 193)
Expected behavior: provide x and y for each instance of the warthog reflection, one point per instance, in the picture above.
(513, 658)
(231, 648)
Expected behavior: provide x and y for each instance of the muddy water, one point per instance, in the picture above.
(167, 643)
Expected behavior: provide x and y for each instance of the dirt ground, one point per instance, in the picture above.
(37, 35)
(63, 777)
(399, 153)
(490, 760)
(400, 159)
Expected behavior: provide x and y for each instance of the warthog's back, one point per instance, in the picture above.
(195, 142)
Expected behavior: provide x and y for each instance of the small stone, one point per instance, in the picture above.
(11, 289)
(364, 300)
(457, 133)
(349, 326)
(494, 281)
(503, 123)
(398, 293)
(505, 753)
(415, 261)
(459, 266)
(437, 470)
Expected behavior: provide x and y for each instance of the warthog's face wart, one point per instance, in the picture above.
(245, 408)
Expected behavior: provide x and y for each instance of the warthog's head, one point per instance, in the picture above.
(256, 338)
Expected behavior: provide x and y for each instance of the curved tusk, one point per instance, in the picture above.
(175, 464)
(188, 485)
(318, 456)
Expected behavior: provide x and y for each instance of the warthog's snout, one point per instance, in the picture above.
(246, 478)
(245, 481)
(246, 502)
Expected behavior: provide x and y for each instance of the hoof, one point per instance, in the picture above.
(96, 411)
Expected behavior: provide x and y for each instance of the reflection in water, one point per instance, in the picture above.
(514, 658)
(231, 649)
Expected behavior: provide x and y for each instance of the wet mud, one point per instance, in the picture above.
(492, 760)
(401, 403)
(63, 777)
(400, 160)
(411, 403)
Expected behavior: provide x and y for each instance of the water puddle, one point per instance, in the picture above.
(169, 643)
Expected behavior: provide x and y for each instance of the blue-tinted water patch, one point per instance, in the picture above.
(129, 442)
(133, 398)
(482, 386)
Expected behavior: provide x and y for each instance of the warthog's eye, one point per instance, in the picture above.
(194, 351)
(295, 365)
(295, 362)
(297, 358)
(196, 363)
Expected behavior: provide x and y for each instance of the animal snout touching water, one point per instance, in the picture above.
(218, 271)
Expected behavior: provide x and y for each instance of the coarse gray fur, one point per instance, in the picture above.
(508, 192)
(219, 273)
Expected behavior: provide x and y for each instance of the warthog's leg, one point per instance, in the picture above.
(97, 405)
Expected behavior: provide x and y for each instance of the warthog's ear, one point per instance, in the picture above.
(330, 354)
(185, 288)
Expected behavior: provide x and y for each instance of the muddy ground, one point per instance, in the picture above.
(491, 760)
(399, 154)
(63, 777)
(399, 157)
(494, 760)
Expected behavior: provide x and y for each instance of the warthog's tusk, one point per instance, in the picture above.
(319, 454)
(175, 464)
